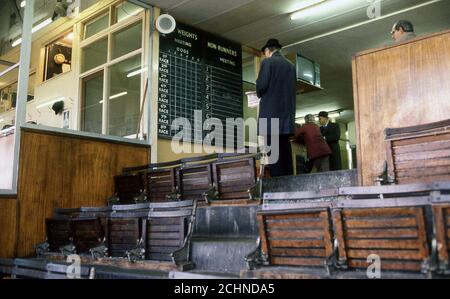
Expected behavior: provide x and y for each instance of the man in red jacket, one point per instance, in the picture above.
(317, 149)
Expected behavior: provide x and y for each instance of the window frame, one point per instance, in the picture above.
(108, 33)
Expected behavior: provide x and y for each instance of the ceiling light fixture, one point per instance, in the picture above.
(35, 28)
(23, 3)
(134, 73)
(118, 95)
(304, 5)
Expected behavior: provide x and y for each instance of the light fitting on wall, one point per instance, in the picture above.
(303, 6)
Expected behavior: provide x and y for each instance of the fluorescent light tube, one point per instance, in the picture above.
(23, 3)
(134, 73)
(117, 95)
(304, 5)
(35, 29)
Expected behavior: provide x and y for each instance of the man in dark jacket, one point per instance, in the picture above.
(317, 149)
(332, 133)
(276, 86)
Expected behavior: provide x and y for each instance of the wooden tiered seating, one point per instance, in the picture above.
(59, 233)
(87, 233)
(129, 188)
(161, 181)
(394, 222)
(419, 153)
(123, 234)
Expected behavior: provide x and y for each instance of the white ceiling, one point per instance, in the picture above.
(252, 22)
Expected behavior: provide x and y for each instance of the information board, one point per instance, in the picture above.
(198, 71)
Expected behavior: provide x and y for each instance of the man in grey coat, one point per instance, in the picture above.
(276, 86)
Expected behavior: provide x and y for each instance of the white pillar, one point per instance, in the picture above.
(22, 85)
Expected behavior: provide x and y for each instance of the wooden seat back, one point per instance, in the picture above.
(396, 233)
(297, 237)
(59, 233)
(128, 187)
(419, 153)
(441, 215)
(123, 234)
(234, 176)
(168, 229)
(87, 233)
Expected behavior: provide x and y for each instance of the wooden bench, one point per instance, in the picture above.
(419, 153)
(195, 179)
(235, 177)
(41, 269)
(87, 233)
(123, 234)
(59, 234)
(168, 231)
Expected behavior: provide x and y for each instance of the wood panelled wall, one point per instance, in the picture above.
(8, 226)
(60, 171)
(397, 86)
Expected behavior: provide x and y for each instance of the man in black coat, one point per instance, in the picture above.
(332, 133)
(276, 86)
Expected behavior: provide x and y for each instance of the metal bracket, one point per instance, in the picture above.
(99, 251)
(113, 200)
(137, 253)
(68, 249)
(141, 198)
(42, 248)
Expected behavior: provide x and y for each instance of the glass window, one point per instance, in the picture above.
(58, 56)
(126, 10)
(91, 109)
(127, 40)
(124, 97)
(96, 26)
(94, 54)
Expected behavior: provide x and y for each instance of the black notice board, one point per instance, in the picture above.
(198, 71)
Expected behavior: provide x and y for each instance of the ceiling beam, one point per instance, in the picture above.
(5, 62)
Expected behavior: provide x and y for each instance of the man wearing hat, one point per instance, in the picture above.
(276, 86)
(332, 133)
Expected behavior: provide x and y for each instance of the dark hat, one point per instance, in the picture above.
(323, 114)
(58, 107)
(271, 43)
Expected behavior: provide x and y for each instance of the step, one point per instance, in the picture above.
(195, 274)
(221, 254)
(312, 182)
(226, 221)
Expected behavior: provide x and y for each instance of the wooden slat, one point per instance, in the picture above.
(295, 233)
(386, 254)
(422, 155)
(164, 242)
(382, 233)
(294, 224)
(289, 261)
(386, 222)
(165, 235)
(299, 216)
(422, 164)
(234, 195)
(328, 241)
(121, 247)
(161, 249)
(420, 215)
(421, 147)
(383, 243)
(420, 172)
(163, 228)
(298, 252)
(388, 265)
(238, 186)
(423, 179)
(421, 140)
(233, 165)
(159, 256)
(124, 240)
(296, 243)
(233, 170)
(379, 212)
(440, 227)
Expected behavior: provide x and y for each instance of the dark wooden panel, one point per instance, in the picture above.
(430, 139)
(295, 233)
(422, 164)
(393, 90)
(423, 147)
(66, 172)
(379, 212)
(297, 243)
(293, 224)
(8, 227)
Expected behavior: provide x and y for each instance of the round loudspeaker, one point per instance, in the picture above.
(165, 24)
